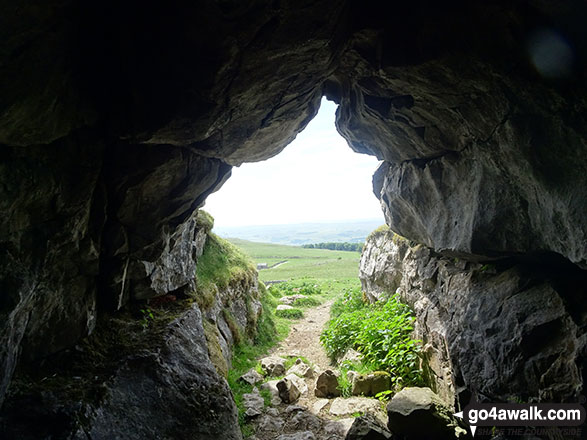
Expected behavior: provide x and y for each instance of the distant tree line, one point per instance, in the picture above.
(354, 247)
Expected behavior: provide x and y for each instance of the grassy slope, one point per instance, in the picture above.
(316, 264)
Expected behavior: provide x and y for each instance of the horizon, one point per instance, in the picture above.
(317, 178)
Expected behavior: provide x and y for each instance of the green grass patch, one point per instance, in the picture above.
(306, 302)
(220, 264)
(290, 313)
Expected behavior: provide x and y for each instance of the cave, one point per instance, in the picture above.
(118, 120)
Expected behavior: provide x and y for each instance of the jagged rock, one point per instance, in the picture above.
(342, 407)
(273, 366)
(271, 386)
(479, 344)
(368, 427)
(288, 390)
(327, 384)
(419, 412)
(301, 369)
(268, 423)
(153, 390)
(254, 403)
(339, 427)
(370, 384)
(304, 435)
(294, 408)
(251, 377)
(319, 405)
(304, 421)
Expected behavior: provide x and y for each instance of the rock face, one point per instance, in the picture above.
(502, 331)
(117, 121)
(161, 388)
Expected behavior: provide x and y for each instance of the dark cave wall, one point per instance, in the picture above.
(116, 121)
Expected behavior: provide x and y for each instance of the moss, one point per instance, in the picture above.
(235, 329)
(214, 349)
(220, 265)
(204, 220)
(381, 230)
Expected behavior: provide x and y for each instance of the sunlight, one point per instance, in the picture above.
(317, 178)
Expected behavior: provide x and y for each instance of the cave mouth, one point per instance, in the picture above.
(317, 178)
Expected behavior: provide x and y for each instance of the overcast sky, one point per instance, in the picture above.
(317, 178)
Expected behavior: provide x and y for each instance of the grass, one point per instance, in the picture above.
(290, 313)
(221, 263)
(317, 264)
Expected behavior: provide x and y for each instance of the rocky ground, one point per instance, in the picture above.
(307, 416)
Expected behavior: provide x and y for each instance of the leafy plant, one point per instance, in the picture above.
(381, 332)
(147, 317)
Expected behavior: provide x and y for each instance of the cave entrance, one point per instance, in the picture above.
(317, 179)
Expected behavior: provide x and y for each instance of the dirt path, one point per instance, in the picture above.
(304, 337)
(309, 418)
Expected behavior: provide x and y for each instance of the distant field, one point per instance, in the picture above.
(303, 233)
(317, 264)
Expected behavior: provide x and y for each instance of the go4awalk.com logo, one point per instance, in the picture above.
(522, 414)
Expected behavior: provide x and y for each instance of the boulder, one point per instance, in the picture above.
(304, 420)
(371, 384)
(288, 390)
(271, 386)
(338, 427)
(251, 377)
(368, 427)
(253, 403)
(301, 369)
(418, 412)
(273, 366)
(283, 307)
(327, 384)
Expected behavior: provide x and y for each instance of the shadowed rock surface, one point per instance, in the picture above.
(117, 120)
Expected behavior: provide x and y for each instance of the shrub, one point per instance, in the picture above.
(381, 332)
(290, 313)
(306, 302)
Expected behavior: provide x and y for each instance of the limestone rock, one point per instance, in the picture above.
(273, 366)
(327, 384)
(254, 403)
(342, 407)
(479, 344)
(301, 369)
(288, 390)
(319, 405)
(303, 435)
(268, 423)
(339, 427)
(305, 421)
(271, 386)
(252, 377)
(370, 384)
(368, 427)
(283, 307)
(417, 412)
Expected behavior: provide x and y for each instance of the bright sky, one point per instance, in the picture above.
(317, 178)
